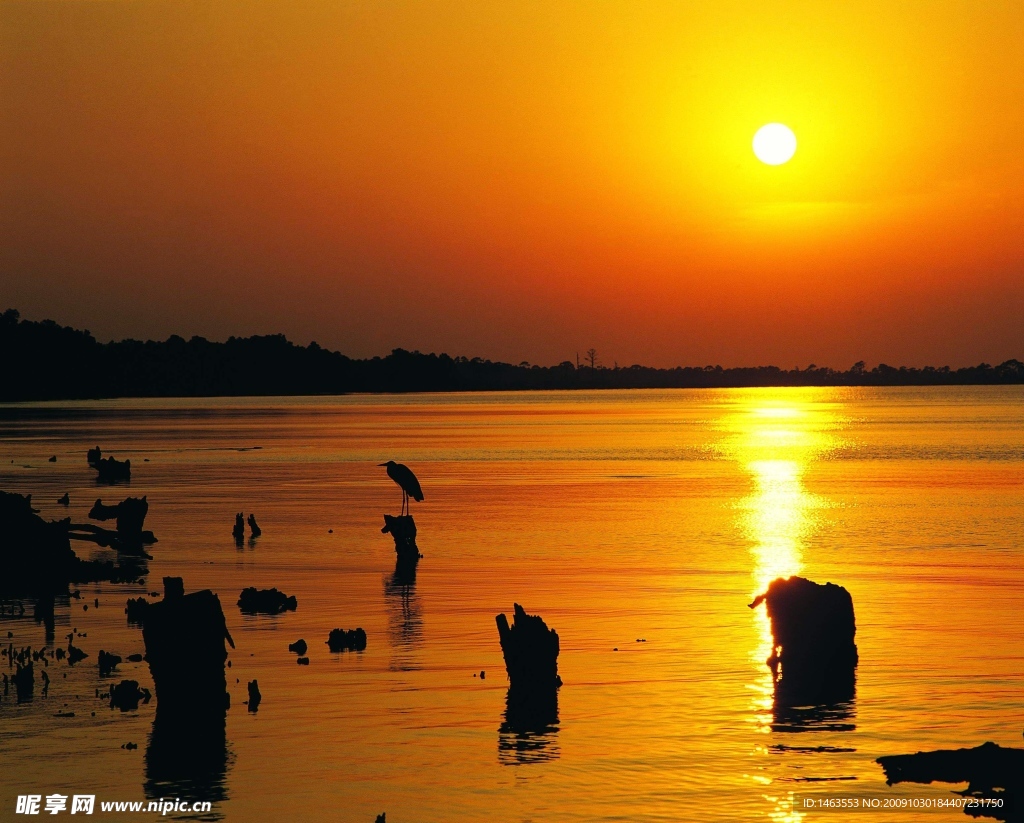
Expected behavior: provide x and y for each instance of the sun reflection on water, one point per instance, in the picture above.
(776, 435)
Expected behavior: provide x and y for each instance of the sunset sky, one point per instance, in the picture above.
(522, 181)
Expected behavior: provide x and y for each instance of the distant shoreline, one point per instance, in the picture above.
(45, 361)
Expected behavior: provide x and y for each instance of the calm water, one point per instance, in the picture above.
(617, 517)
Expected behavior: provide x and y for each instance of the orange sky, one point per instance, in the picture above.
(521, 180)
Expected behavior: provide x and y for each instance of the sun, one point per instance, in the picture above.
(774, 144)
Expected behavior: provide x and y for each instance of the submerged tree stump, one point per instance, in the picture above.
(403, 529)
(111, 470)
(530, 650)
(184, 636)
(814, 656)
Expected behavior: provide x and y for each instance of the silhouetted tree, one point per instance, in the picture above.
(45, 361)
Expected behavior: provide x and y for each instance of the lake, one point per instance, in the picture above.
(618, 517)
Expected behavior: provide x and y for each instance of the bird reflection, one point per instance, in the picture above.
(405, 616)
(187, 757)
(529, 733)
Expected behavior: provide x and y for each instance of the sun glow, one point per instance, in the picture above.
(774, 144)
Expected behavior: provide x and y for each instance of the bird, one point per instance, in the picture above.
(406, 480)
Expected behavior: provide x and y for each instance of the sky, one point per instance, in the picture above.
(521, 180)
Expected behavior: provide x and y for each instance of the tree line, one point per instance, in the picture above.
(43, 360)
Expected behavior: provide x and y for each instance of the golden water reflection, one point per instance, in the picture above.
(776, 436)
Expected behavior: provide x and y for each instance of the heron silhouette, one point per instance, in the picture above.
(406, 480)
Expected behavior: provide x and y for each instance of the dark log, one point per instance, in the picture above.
(991, 772)
(813, 627)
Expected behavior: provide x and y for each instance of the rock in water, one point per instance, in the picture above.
(299, 647)
(813, 628)
(126, 695)
(352, 640)
(265, 601)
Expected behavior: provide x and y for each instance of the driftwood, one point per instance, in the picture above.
(813, 627)
(130, 515)
(991, 772)
(265, 601)
(129, 537)
(37, 559)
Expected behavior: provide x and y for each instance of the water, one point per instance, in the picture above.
(616, 516)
